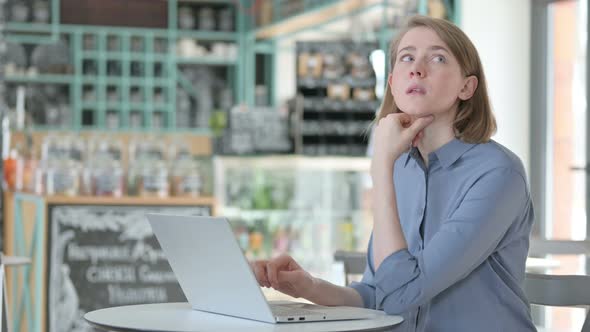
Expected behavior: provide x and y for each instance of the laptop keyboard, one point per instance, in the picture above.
(279, 310)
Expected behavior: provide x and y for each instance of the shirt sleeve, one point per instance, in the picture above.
(465, 240)
(366, 287)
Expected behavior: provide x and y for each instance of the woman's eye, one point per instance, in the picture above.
(439, 59)
(406, 58)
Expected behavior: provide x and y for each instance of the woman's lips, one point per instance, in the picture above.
(416, 89)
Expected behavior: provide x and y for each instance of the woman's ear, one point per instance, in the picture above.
(469, 87)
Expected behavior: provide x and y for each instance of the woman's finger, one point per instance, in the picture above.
(261, 275)
(418, 125)
(404, 119)
(275, 265)
(417, 139)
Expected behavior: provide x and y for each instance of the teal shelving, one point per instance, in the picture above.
(125, 76)
(41, 78)
(208, 35)
(207, 61)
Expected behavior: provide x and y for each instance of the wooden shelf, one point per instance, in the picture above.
(125, 200)
(128, 200)
(313, 18)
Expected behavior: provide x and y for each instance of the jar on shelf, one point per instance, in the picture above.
(186, 18)
(186, 179)
(133, 178)
(62, 178)
(205, 167)
(153, 181)
(225, 19)
(206, 19)
(108, 179)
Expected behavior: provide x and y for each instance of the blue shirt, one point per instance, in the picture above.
(467, 220)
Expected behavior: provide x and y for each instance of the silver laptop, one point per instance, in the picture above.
(216, 277)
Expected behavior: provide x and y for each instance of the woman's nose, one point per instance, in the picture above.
(417, 72)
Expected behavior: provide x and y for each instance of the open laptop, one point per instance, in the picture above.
(216, 277)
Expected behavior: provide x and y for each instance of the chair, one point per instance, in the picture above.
(559, 290)
(541, 247)
(354, 263)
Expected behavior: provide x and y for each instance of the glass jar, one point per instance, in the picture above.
(205, 168)
(62, 178)
(206, 19)
(153, 181)
(108, 180)
(134, 178)
(186, 179)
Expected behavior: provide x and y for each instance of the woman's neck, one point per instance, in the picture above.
(437, 134)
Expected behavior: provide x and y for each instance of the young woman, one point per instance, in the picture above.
(452, 209)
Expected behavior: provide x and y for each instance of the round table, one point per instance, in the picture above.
(180, 317)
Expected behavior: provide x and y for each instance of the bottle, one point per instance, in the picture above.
(26, 168)
(9, 167)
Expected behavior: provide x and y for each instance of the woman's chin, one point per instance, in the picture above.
(416, 113)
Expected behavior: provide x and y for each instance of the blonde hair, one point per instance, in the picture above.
(474, 121)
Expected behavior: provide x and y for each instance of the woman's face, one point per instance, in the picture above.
(426, 78)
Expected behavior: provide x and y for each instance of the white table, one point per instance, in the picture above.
(179, 317)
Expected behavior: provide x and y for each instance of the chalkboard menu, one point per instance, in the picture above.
(106, 256)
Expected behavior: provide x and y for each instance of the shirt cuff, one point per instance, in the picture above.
(366, 292)
(397, 276)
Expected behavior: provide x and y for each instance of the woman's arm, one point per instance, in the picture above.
(393, 135)
(285, 275)
(387, 231)
(493, 203)
(326, 293)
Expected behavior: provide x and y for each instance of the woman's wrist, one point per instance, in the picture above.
(381, 166)
(313, 292)
(381, 172)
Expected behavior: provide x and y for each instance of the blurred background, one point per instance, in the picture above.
(256, 110)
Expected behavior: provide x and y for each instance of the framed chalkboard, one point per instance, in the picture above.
(106, 256)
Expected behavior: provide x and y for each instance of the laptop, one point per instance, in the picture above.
(216, 277)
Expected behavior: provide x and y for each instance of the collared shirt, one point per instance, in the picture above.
(467, 220)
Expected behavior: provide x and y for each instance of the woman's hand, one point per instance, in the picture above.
(394, 135)
(285, 275)
(260, 272)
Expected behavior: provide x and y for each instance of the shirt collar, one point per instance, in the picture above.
(447, 154)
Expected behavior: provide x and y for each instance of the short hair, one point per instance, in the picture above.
(474, 121)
